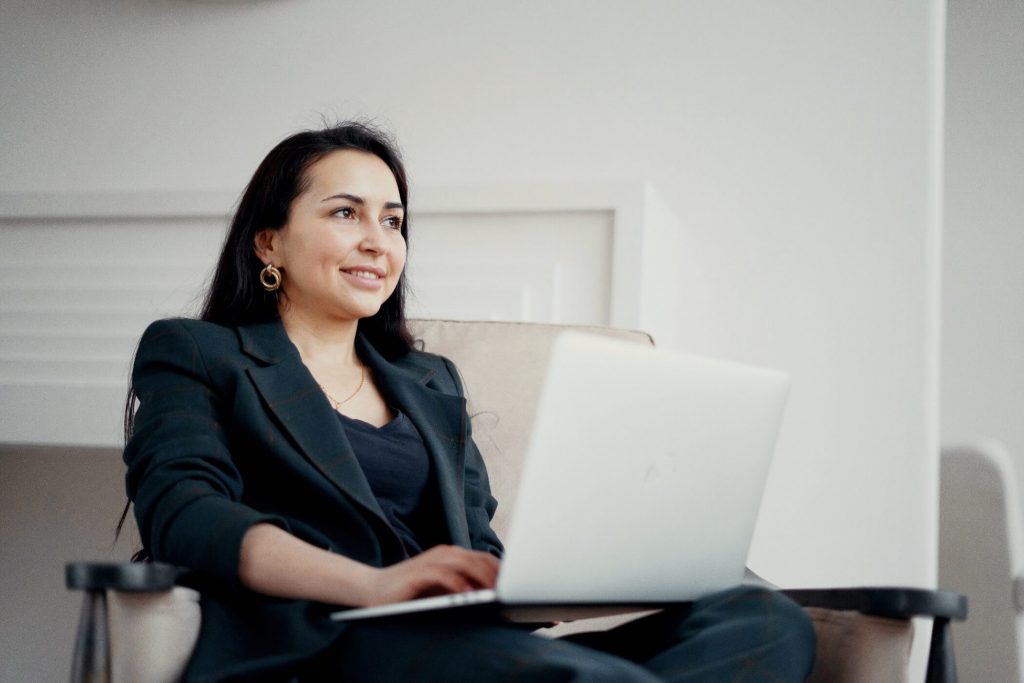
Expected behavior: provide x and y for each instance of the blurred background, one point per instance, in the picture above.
(831, 188)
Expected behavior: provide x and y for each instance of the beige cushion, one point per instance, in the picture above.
(152, 634)
(854, 648)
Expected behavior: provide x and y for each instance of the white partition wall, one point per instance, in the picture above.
(81, 277)
(600, 254)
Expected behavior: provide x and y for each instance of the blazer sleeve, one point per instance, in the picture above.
(480, 504)
(181, 476)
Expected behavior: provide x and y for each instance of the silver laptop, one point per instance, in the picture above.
(641, 485)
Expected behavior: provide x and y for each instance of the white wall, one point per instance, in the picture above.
(983, 281)
(797, 140)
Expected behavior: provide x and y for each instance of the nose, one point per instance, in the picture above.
(373, 240)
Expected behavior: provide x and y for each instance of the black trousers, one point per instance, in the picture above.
(745, 634)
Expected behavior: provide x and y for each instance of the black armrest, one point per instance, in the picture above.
(133, 577)
(895, 603)
(899, 603)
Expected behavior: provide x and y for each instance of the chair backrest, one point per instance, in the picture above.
(502, 366)
(980, 554)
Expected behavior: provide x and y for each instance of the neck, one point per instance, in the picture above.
(321, 340)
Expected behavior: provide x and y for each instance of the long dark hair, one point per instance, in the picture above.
(236, 297)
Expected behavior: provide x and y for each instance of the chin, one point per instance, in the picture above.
(363, 312)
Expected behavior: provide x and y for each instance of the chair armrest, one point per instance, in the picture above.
(894, 603)
(130, 577)
(899, 603)
(91, 660)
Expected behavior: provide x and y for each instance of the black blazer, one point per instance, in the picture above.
(233, 430)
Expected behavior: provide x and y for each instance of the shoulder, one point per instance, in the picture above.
(185, 342)
(199, 331)
(177, 331)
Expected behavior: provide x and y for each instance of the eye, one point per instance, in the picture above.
(344, 212)
(393, 222)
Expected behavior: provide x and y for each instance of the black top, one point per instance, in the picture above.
(397, 467)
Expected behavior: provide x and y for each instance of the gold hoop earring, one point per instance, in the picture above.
(270, 278)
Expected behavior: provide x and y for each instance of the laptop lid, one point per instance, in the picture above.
(643, 477)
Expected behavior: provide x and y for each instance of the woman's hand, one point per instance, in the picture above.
(274, 562)
(442, 569)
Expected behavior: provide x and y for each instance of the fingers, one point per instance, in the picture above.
(475, 568)
(450, 569)
(443, 582)
(438, 571)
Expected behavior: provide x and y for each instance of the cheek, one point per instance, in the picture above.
(398, 254)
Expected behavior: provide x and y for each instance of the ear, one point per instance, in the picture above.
(263, 244)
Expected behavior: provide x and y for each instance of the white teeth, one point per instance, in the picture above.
(364, 274)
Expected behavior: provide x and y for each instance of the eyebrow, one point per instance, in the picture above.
(356, 199)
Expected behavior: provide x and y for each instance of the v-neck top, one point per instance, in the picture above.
(397, 466)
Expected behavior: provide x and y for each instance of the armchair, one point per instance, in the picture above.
(864, 634)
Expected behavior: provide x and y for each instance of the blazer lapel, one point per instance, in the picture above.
(293, 397)
(440, 420)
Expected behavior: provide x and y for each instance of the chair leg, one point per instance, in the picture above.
(941, 663)
(91, 660)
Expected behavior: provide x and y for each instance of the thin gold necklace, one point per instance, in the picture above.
(337, 404)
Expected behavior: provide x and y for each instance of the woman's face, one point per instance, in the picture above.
(341, 251)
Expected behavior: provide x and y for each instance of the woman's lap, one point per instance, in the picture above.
(748, 633)
(745, 633)
(421, 650)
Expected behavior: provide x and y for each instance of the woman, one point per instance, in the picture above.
(294, 450)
